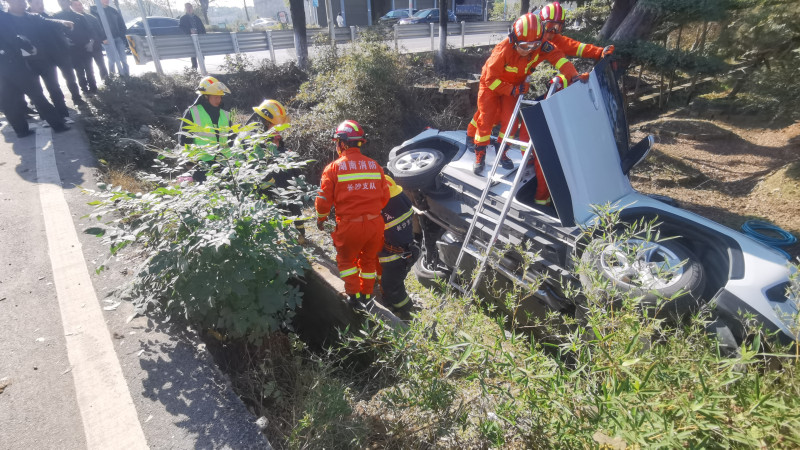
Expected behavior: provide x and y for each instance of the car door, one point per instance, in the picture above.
(579, 135)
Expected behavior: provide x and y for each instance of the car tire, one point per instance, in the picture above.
(659, 270)
(417, 168)
(427, 276)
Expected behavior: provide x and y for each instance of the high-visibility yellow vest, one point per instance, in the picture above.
(208, 135)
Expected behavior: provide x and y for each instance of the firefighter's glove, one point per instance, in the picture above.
(321, 224)
(516, 91)
(608, 51)
(583, 77)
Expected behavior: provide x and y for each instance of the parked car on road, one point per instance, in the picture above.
(159, 26)
(581, 138)
(430, 15)
(394, 16)
(263, 24)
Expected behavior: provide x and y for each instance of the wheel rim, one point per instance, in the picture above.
(414, 161)
(643, 264)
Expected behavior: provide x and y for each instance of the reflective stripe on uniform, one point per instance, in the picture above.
(543, 202)
(369, 275)
(481, 139)
(473, 122)
(532, 62)
(397, 221)
(360, 176)
(403, 303)
(348, 272)
(564, 80)
(390, 258)
(321, 215)
(580, 50)
(561, 62)
(501, 135)
(512, 69)
(494, 84)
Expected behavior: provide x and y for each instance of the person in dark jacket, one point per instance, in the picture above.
(398, 253)
(80, 43)
(191, 24)
(118, 29)
(17, 80)
(96, 31)
(58, 48)
(43, 36)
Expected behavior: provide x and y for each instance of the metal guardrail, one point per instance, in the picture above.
(200, 46)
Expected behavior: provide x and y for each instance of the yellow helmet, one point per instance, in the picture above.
(212, 86)
(272, 111)
(394, 188)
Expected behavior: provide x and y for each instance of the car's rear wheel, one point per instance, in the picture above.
(417, 168)
(666, 275)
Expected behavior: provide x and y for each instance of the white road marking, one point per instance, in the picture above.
(107, 410)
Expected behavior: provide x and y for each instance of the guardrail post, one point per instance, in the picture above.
(352, 33)
(201, 62)
(271, 47)
(463, 32)
(396, 48)
(433, 48)
(235, 40)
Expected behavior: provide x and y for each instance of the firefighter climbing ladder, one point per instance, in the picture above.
(471, 246)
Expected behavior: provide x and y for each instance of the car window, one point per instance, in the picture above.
(159, 23)
(614, 106)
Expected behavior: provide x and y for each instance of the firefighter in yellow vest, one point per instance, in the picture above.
(206, 113)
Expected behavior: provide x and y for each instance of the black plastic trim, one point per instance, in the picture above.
(732, 310)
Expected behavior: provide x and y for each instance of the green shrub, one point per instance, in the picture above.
(221, 253)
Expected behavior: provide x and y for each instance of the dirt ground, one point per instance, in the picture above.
(724, 168)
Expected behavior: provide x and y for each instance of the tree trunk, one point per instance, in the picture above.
(246, 14)
(672, 74)
(524, 6)
(441, 61)
(619, 11)
(298, 12)
(204, 9)
(639, 24)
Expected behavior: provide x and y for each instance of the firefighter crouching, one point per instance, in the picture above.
(399, 252)
(354, 184)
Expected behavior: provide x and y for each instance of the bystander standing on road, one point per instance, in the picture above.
(340, 20)
(17, 80)
(41, 33)
(80, 44)
(191, 24)
(117, 27)
(58, 48)
(97, 34)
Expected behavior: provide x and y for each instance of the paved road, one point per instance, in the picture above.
(72, 374)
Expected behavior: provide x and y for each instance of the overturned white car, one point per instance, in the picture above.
(581, 139)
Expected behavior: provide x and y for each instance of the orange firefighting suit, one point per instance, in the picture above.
(355, 186)
(504, 70)
(571, 47)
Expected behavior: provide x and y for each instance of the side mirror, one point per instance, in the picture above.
(637, 154)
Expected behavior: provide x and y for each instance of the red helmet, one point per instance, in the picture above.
(349, 131)
(527, 28)
(552, 17)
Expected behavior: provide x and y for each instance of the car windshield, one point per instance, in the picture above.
(134, 23)
(423, 13)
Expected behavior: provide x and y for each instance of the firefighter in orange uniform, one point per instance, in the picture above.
(552, 17)
(354, 184)
(503, 79)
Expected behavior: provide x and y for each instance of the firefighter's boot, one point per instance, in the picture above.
(480, 160)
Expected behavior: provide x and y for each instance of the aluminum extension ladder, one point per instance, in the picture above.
(472, 248)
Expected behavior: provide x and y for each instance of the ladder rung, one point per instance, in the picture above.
(459, 287)
(502, 181)
(516, 141)
(485, 216)
(509, 274)
(472, 251)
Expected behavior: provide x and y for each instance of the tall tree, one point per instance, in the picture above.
(298, 12)
(246, 14)
(441, 60)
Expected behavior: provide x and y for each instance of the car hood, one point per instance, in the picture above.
(580, 135)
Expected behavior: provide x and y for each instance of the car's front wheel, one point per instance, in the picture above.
(666, 276)
(417, 169)
(428, 275)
